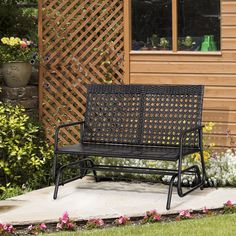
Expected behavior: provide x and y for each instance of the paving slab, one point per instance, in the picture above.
(84, 199)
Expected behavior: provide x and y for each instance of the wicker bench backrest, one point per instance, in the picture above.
(142, 114)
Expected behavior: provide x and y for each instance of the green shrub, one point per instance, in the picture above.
(25, 155)
(8, 192)
(17, 21)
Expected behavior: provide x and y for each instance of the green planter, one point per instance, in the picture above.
(16, 74)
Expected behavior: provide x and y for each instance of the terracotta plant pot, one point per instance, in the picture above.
(16, 74)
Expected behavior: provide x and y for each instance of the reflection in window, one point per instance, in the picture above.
(199, 25)
(151, 25)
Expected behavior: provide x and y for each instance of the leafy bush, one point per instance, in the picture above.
(24, 156)
(17, 21)
(11, 191)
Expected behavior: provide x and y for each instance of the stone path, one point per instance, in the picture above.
(84, 199)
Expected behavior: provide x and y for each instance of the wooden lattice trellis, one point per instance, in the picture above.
(81, 42)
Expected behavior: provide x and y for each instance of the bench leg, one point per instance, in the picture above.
(179, 187)
(170, 191)
(89, 164)
(55, 167)
(203, 169)
(59, 173)
(94, 171)
(204, 176)
(82, 166)
(62, 182)
(57, 183)
(200, 184)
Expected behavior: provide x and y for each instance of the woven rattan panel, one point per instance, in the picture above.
(82, 43)
(113, 114)
(146, 115)
(168, 111)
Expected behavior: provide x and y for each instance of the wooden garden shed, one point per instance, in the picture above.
(121, 41)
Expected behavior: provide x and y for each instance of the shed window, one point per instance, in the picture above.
(152, 25)
(177, 25)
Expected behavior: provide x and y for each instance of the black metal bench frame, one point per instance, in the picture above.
(148, 122)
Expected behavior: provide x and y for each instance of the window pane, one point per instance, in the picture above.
(199, 25)
(151, 25)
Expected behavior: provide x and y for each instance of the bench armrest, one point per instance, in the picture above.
(63, 126)
(191, 130)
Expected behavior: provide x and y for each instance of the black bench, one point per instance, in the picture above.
(138, 121)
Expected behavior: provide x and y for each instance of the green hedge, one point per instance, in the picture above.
(25, 155)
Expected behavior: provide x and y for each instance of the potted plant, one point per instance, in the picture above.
(164, 44)
(154, 40)
(188, 43)
(17, 56)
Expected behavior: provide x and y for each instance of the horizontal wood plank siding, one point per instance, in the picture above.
(220, 92)
(228, 19)
(221, 140)
(219, 116)
(217, 71)
(183, 67)
(228, 7)
(229, 44)
(229, 31)
(164, 78)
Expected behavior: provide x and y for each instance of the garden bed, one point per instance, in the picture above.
(66, 224)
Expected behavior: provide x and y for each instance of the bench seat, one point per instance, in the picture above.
(126, 151)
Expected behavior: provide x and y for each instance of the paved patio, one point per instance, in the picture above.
(84, 199)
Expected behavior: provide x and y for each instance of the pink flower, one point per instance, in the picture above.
(65, 218)
(157, 217)
(151, 217)
(96, 221)
(65, 223)
(123, 220)
(23, 45)
(30, 227)
(205, 210)
(42, 226)
(182, 213)
(229, 203)
(100, 222)
(59, 226)
(10, 229)
(152, 212)
(70, 226)
(185, 214)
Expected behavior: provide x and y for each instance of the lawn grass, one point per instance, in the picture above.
(222, 225)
